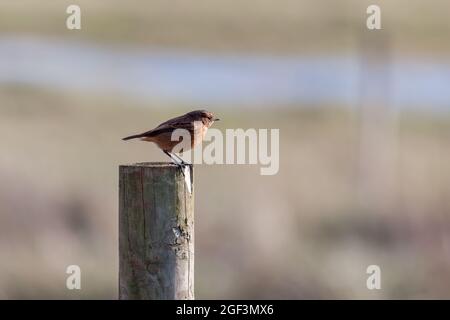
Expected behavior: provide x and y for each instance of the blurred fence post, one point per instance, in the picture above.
(156, 232)
(378, 123)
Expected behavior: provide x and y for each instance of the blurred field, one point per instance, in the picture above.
(303, 233)
(287, 26)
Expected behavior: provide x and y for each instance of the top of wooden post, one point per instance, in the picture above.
(152, 165)
(164, 166)
(149, 164)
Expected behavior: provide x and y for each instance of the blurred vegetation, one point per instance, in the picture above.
(300, 234)
(250, 25)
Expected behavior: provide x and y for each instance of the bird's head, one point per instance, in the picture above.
(206, 117)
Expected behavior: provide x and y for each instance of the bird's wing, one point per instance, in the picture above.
(180, 119)
(171, 125)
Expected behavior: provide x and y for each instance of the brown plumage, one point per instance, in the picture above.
(195, 122)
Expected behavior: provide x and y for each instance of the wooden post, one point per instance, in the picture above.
(156, 232)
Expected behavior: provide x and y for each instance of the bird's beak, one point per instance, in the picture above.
(216, 119)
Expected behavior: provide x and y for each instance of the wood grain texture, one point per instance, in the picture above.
(156, 232)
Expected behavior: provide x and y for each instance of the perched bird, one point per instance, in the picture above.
(195, 122)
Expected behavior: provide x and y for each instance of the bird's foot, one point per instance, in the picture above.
(181, 166)
(180, 163)
(184, 163)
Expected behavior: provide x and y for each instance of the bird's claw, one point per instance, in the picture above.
(181, 166)
(180, 163)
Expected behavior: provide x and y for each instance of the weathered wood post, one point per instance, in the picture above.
(156, 232)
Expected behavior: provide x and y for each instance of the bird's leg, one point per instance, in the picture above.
(176, 161)
(180, 159)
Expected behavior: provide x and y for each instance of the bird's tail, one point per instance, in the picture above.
(133, 137)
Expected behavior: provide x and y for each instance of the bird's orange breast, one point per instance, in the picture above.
(164, 140)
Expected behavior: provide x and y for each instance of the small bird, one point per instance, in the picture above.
(195, 122)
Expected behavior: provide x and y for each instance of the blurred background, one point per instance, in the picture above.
(364, 119)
